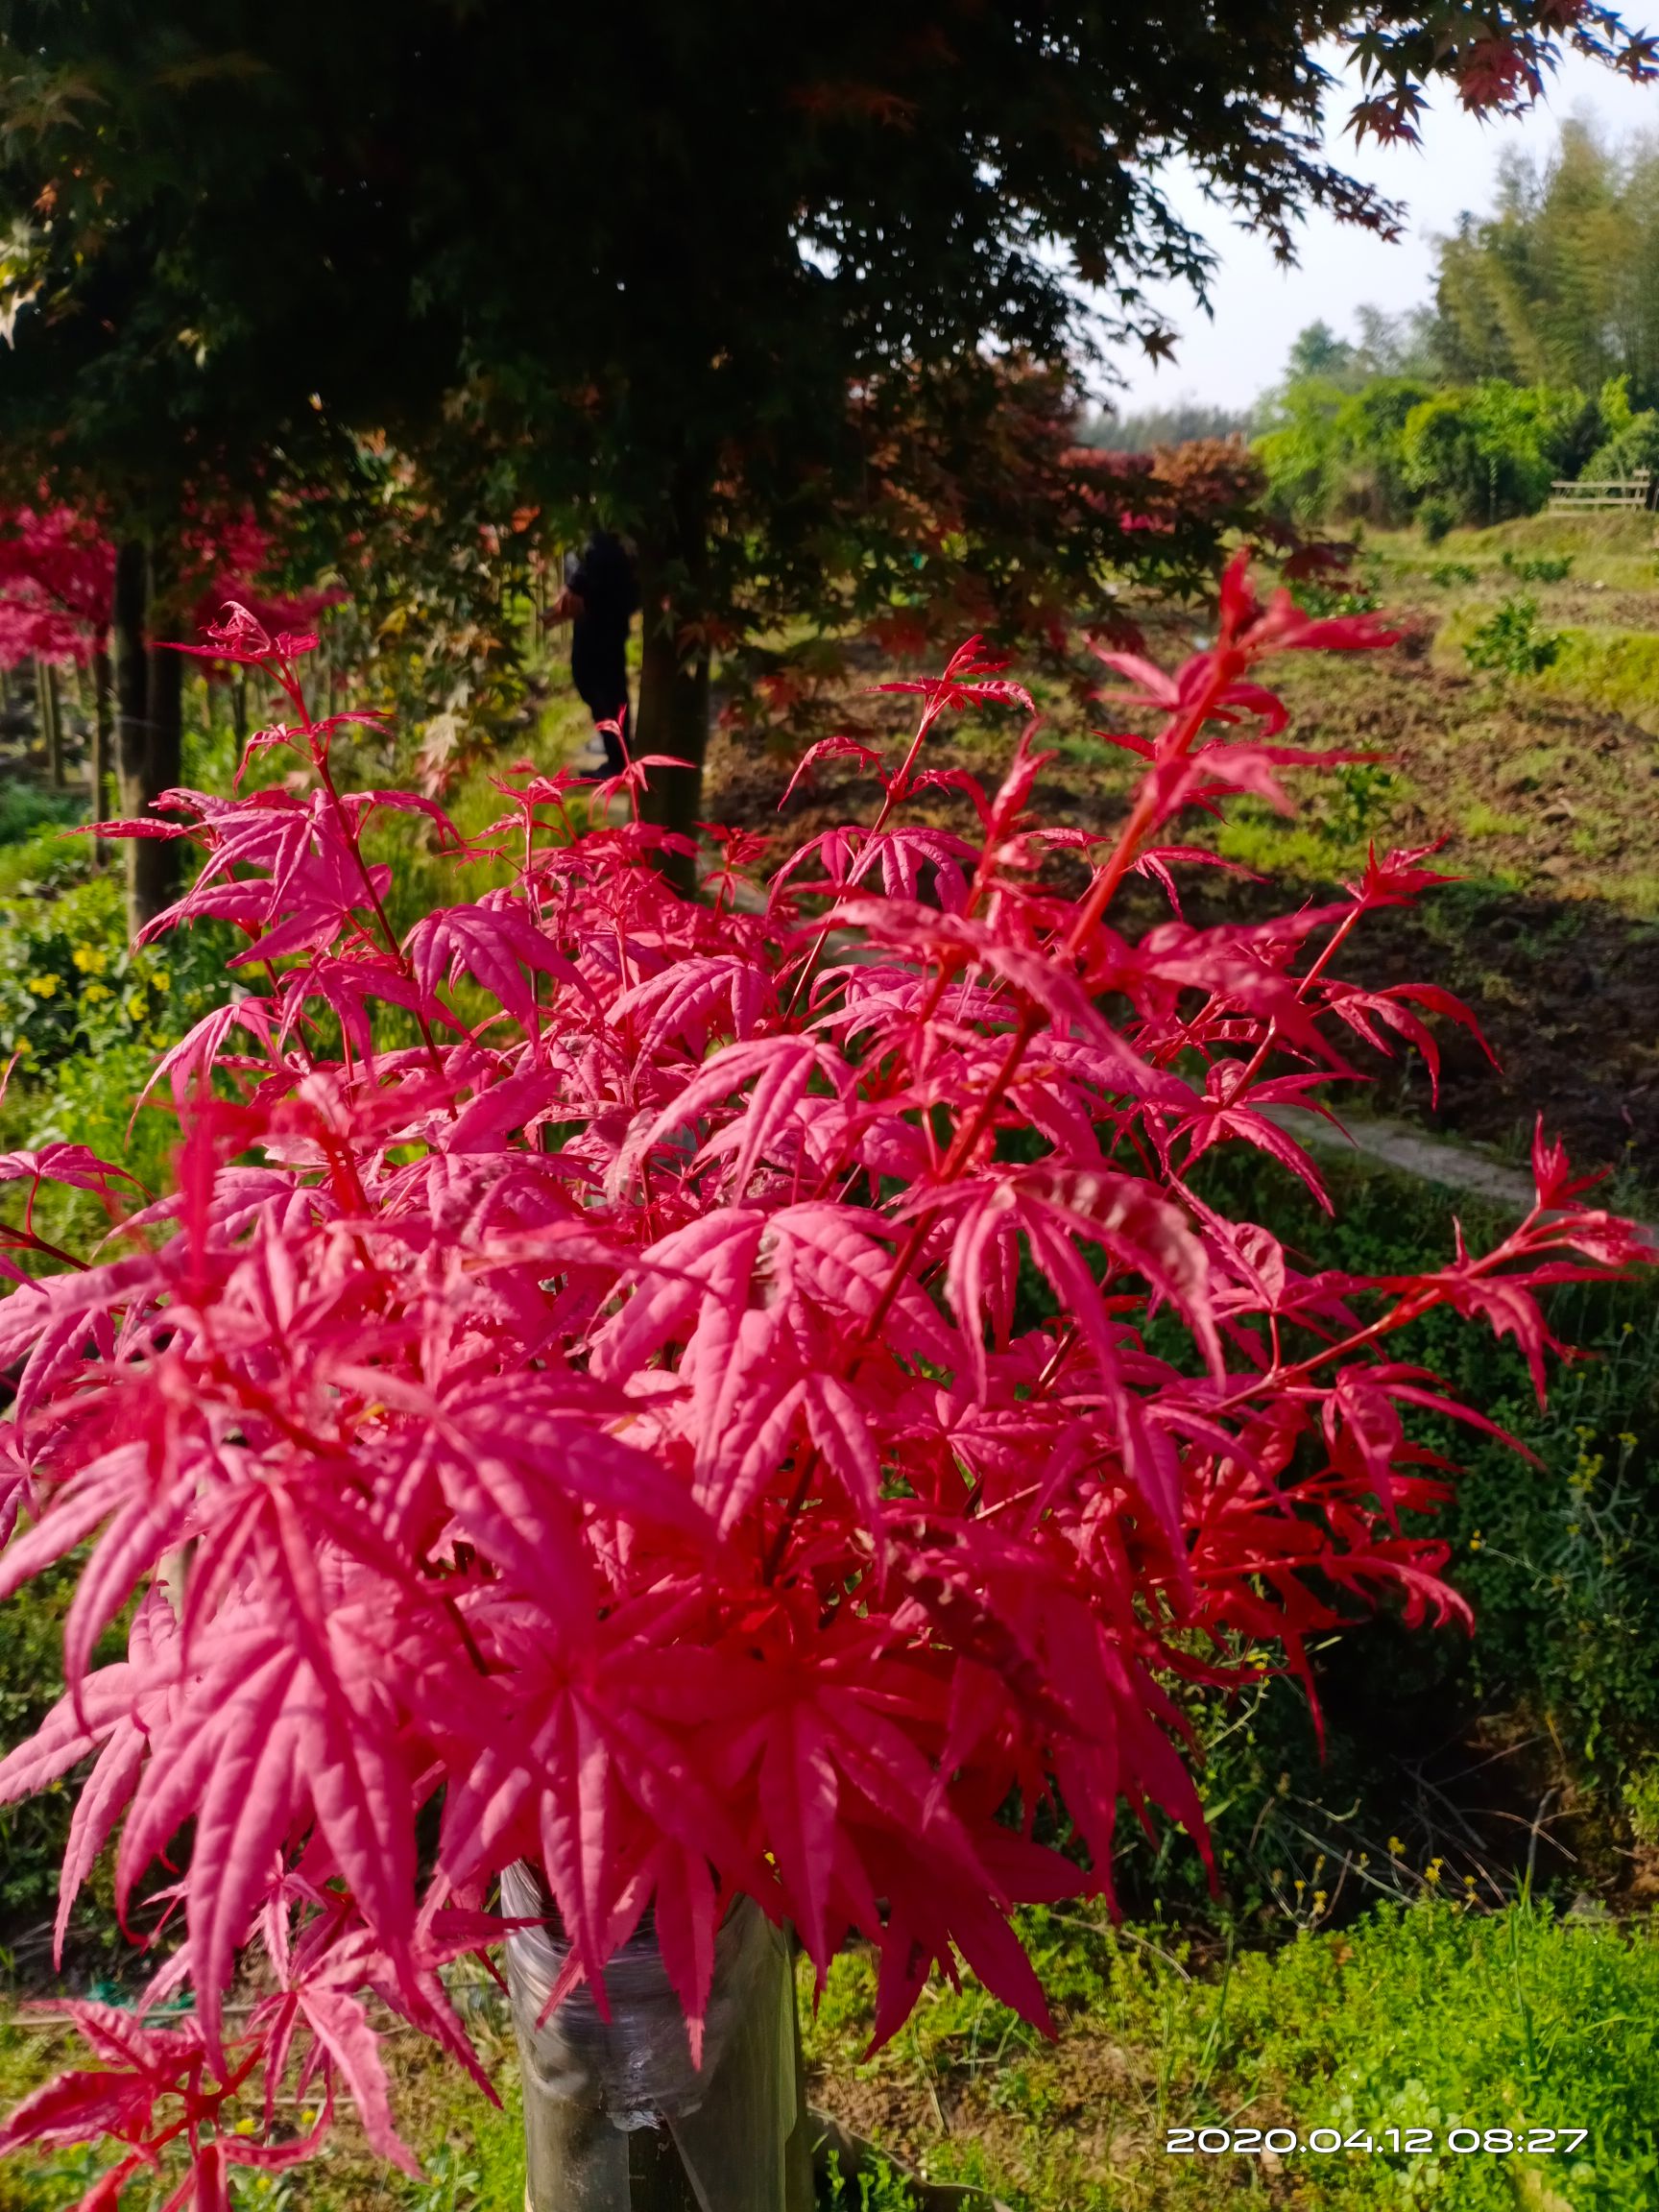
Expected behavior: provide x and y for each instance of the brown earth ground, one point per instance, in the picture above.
(1546, 800)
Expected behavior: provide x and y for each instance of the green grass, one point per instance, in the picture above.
(1428, 2017)
(471, 2152)
(1610, 550)
(1615, 669)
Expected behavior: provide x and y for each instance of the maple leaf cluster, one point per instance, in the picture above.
(57, 577)
(586, 1391)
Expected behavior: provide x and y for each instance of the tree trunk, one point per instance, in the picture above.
(615, 2118)
(102, 729)
(150, 709)
(673, 717)
(51, 721)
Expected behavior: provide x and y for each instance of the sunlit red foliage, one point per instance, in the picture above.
(57, 574)
(590, 1375)
(57, 577)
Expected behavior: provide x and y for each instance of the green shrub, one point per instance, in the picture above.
(1301, 451)
(1331, 453)
(1631, 440)
(26, 810)
(1488, 451)
(1510, 642)
(1538, 569)
(1361, 793)
(69, 985)
(1641, 1795)
(86, 1018)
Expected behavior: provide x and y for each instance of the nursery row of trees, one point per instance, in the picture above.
(1538, 359)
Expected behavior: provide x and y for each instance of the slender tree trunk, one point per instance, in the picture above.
(156, 874)
(673, 717)
(149, 704)
(102, 729)
(51, 724)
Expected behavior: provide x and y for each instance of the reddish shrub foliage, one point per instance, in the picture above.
(595, 1381)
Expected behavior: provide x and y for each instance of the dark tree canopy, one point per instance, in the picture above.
(654, 247)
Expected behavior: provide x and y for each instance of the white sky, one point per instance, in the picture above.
(1258, 307)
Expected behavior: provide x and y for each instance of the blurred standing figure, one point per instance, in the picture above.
(599, 599)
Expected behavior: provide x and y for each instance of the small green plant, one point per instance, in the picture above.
(1338, 596)
(1510, 642)
(260, 2192)
(1539, 567)
(1359, 800)
(1447, 575)
(878, 2186)
(449, 2183)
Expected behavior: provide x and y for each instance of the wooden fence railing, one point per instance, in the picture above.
(1569, 496)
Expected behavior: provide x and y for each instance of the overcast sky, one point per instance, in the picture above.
(1258, 307)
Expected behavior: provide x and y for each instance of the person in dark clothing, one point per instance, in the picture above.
(599, 600)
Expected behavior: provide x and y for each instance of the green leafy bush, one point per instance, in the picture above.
(69, 984)
(1510, 641)
(1335, 452)
(1630, 439)
(86, 1018)
(1361, 792)
(1472, 453)
(1489, 450)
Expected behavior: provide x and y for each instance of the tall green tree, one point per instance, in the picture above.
(656, 247)
(1560, 283)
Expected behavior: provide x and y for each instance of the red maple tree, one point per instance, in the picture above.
(590, 1375)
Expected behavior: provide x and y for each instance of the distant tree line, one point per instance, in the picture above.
(1147, 429)
(1538, 359)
